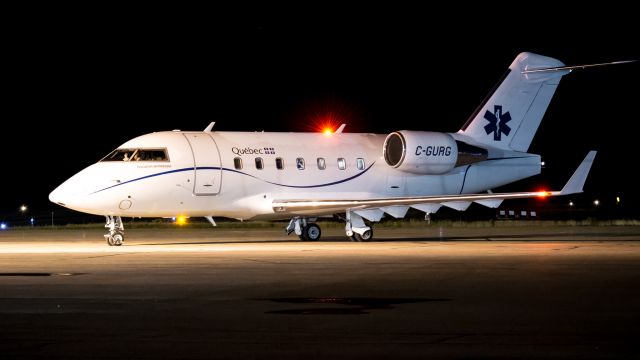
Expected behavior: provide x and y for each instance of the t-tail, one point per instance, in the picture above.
(510, 115)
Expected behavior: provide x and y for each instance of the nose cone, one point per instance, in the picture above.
(57, 196)
(75, 193)
(72, 195)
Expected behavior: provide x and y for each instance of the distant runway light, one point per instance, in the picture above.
(617, 200)
(3, 226)
(570, 203)
(23, 208)
(181, 220)
(596, 202)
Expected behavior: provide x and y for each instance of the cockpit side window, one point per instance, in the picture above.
(137, 155)
(119, 155)
(150, 155)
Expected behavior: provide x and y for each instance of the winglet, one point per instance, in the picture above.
(208, 128)
(575, 184)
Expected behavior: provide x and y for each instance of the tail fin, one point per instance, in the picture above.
(509, 117)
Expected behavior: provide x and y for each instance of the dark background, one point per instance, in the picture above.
(80, 81)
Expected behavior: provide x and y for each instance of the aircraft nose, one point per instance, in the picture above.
(57, 196)
(78, 192)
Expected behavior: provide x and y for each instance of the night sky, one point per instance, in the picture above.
(77, 86)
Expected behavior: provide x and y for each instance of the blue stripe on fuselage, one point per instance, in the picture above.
(235, 171)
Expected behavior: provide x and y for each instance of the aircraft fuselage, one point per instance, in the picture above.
(239, 174)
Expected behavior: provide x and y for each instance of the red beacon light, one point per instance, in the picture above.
(543, 194)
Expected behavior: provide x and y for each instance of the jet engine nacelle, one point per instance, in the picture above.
(421, 152)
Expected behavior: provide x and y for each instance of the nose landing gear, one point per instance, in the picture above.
(115, 236)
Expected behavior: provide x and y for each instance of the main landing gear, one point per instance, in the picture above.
(307, 230)
(115, 236)
(356, 229)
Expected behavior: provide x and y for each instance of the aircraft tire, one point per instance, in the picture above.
(366, 236)
(116, 239)
(311, 232)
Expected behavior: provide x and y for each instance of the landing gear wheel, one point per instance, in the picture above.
(115, 236)
(311, 232)
(115, 240)
(353, 237)
(366, 236)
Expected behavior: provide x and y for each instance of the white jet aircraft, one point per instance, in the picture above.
(303, 176)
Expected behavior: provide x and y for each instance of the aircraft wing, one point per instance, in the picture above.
(460, 201)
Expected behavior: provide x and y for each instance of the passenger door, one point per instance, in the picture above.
(206, 164)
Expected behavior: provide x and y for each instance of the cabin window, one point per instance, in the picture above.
(300, 163)
(321, 164)
(360, 163)
(279, 163)
(342, 164)
(137, 155)
(237, 163)
(259, 163)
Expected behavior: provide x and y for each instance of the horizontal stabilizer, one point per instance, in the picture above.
(560, 68)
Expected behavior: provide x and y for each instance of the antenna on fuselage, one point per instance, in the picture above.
(208, 128)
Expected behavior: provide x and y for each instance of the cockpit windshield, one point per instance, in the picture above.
(137, 155)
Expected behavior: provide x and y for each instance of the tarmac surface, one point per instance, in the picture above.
(557, 292)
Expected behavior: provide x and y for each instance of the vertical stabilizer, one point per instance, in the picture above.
(510, 116)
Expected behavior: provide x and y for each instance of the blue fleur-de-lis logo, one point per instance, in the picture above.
(497, 122)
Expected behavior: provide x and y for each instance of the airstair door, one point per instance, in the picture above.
(206, 164)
